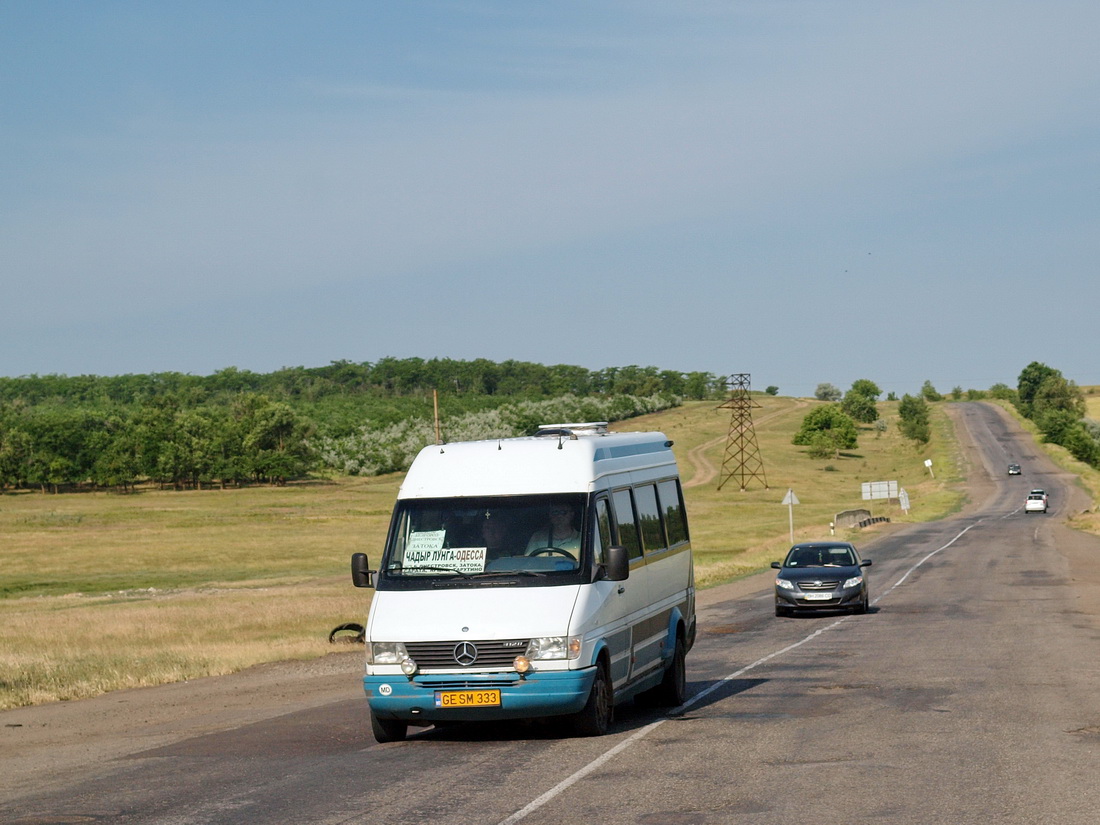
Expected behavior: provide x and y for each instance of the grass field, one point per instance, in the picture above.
(1092, 402)
(102, 591)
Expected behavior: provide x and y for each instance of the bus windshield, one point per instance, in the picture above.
(473, 538)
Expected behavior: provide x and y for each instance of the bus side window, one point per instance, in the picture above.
(601, 530)
(626, 521)
(649, 517)
(672, 506)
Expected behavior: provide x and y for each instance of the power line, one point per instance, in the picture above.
(742, 456)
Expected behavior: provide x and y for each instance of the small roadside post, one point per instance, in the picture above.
(928, 464)
(790, 500)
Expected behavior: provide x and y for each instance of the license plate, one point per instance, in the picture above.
(818, 597)
(467, 698)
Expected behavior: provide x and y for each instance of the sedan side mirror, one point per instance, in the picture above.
(777, 565)
(865, 563)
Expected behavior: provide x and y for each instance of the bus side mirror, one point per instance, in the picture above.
(617, 566)
(361, 574)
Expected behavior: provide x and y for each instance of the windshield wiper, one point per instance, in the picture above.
(497, 573)
(401, 568)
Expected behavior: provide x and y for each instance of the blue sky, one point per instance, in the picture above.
(808, 191)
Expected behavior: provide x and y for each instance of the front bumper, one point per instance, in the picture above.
(812, 600)
(550, 693)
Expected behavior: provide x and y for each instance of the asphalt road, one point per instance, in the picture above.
(970, 693)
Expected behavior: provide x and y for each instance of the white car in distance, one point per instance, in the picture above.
(1036, 503)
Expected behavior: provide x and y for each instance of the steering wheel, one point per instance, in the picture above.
(552, 551)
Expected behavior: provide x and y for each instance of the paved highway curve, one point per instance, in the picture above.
(968, 694)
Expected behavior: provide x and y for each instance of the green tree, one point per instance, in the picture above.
(276, 443)
(1082, 445)
(698, 385)
(859, 402)
(16, 448)
(828, 392)
(914, 419)
(860, 407)
(827, 425)
(1057, 393)
(864, 386)
(929, 393)
(117, 455)
(1027, 385)
(772, 390)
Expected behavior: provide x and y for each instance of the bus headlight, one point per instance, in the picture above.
(553, 647)
(386, 653)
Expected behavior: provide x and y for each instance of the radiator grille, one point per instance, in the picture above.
(466, 654)
(819, 585)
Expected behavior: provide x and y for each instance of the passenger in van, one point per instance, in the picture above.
(560, 533)
(494, 532)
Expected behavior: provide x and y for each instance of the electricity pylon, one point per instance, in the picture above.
(742, 452)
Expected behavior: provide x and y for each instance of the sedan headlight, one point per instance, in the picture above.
(386, 653)
(784, 584)
(855, 581)
(554, 647)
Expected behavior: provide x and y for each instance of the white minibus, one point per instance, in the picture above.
(544, 576)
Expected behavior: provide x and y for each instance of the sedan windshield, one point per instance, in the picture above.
(820, 556)
(480, 538)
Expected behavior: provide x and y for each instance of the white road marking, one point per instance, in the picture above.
(638, 735)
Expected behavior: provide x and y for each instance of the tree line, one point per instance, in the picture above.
(1057, 406)
(388, 377)
(1042, 394)
(236, 427)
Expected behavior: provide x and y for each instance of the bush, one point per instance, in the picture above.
(827, 429)
(928, 392)
(373, 451)
(914, 424)
(1082, 445)
(859, 407)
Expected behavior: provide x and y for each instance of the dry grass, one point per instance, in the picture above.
(105, 591)
(738, 530)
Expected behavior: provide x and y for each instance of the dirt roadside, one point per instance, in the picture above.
(51, 745)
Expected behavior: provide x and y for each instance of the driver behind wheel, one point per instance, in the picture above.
(560, 532)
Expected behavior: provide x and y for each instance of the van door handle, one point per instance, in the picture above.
(621, 589)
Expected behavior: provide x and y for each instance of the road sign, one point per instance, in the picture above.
(790, 500)
(879, 489)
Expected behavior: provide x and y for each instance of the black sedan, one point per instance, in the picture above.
(821, 575)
